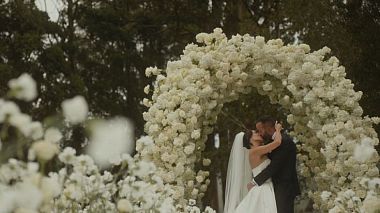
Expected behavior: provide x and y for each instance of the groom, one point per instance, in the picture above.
(282, 168)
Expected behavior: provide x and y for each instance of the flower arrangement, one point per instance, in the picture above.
(105, 179)
(322, 104)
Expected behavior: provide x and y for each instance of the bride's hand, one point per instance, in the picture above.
(250, 185)
(278, 126)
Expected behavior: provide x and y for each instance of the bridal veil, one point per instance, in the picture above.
(239, 173)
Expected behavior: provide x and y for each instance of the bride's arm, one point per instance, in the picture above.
(261, 150)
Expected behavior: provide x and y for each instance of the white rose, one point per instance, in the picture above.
(196, 134)
(53, 135)
(325, 195)
(178, 141)
(364, 151)
(50, 188)
(147, 89)
(192, 202)
(109, 139)
(67, 155)
(203, 188)
(267, 86)
(24, 87)
(200, 179)
(45, 150)
(7, 108)
(146, 102)
(206, 162)
(36, 130)
(371, 204)
(28, 196)
(124, 205)
(189, 149)
(195, 192)
(21, 121)
(75, 110)
(72, 191)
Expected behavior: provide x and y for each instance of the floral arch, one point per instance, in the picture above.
(337, 157)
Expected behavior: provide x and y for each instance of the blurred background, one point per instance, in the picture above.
(100, 49)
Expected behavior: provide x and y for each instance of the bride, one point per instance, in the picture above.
(244, 163)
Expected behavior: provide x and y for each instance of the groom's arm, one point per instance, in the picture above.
(278, 160)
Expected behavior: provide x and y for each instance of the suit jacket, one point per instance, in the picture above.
(282, 170)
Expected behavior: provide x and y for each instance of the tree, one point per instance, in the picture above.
(23, 32)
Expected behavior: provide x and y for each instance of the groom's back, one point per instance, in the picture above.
(287, 175)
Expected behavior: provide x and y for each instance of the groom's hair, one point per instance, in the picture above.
(247, 139)
(267, 120)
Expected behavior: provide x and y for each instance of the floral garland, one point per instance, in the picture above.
(323, 108)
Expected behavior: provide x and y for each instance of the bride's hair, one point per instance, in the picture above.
(247, 139)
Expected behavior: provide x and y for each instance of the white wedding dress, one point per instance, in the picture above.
(259, 198)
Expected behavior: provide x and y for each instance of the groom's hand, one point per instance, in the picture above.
(250, 185)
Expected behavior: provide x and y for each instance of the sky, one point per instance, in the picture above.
(50, 6)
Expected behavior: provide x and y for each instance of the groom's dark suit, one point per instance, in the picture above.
(282, 170)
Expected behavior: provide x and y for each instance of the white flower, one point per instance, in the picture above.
(53, 135)
(325, 195)
(144, 168)
(203, 188)
(110, 139)
(167, 205)
(7, 109)
(124, 205)
(75, 110)
(209, 210)
(206, 162)
(45, 150)
(73, 192)
(371, 204)
(28, 128)
(27, 196)
(21, 121)
(144, 142)
(24, 87)
(147, 89)
(196, 134)
(267, 86)
(324, 111)
(67, 155)
(50, 188)
(189, 149)
(32, 167)
(364, 151)
(199, 179)
(36, 130)
(375, 120)
(192, 202)
(152, 71)
(374, 183)
(195, 192)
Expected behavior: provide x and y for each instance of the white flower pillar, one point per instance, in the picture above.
(323, 108)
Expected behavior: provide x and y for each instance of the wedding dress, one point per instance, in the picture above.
(238, 199)
(259, 198)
